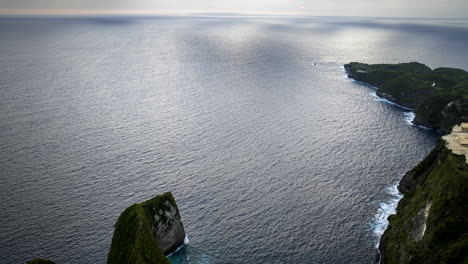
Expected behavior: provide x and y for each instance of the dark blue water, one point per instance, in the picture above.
(272, 159)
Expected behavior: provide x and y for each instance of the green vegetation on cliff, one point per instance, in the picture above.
(134, 239)
(439, 97)
(431, 224)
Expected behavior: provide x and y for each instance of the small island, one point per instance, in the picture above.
(439, 97)
(431, 223)
(146, 232)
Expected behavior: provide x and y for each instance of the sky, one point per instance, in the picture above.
(363, 8)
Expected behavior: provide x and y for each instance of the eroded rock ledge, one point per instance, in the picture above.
(145, 232)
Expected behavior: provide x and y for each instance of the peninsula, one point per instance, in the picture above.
(439, 97)
(431, 223)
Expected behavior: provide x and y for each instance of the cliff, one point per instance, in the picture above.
(439, 97)
(431, 224)
(145, 232)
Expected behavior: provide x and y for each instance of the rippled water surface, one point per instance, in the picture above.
(273, 155)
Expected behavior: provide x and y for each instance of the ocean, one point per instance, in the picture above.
(272, 153)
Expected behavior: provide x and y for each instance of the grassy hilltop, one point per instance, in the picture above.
(439, 97)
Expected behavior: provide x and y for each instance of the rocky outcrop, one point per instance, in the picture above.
(418, 174)
(442, 112)
(145, 232)
(168, 227)
(454, 113)
(420, 222)
(431, 224)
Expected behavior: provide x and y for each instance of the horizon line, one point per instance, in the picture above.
(25, 11)
(181, 12)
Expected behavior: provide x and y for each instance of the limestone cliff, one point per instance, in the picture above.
(146, 231)
(431, 224)
(454, 113)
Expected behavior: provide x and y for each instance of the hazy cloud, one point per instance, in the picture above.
(386, 8)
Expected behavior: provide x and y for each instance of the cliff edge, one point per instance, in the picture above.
(145, 232)
(431, 224)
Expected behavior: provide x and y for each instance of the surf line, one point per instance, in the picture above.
(408, 113)
(379, 222)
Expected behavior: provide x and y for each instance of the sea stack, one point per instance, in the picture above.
(146, 232)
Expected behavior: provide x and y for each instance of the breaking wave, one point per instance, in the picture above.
(380, 221)
(409, 117)
(381, 99)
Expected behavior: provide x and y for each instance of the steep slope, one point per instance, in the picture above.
(431, 224)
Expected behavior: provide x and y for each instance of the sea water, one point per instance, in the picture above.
(272, 156)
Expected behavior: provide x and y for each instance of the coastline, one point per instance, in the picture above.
(388, 101)
(416, 225)
(379, 222)
(437, 96)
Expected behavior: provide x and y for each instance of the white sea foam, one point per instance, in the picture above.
(409, 114)
(380, 221)
(381, 99)
(186, 241)
(409, 117)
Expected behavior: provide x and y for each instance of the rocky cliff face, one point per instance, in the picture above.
(431, 224)
(146, 231)
(167, 226)
(442, 112)
(454, 113)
